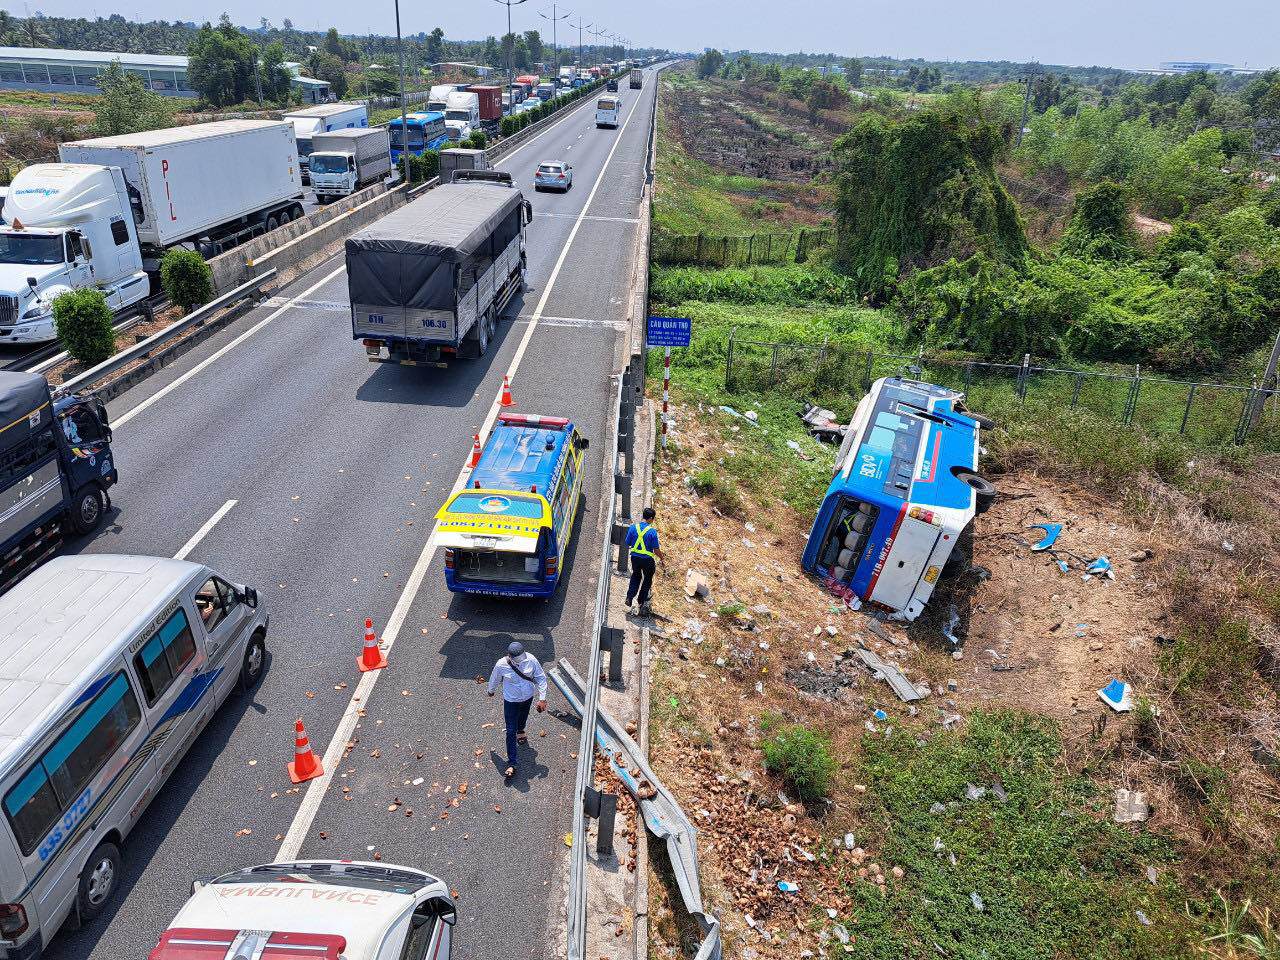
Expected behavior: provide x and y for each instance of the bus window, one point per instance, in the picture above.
(847, 537)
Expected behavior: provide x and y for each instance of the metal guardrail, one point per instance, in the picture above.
(143, 350)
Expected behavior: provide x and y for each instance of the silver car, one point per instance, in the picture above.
(553, 175)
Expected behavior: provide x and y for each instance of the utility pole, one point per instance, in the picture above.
(555, 18)
(404, 106)
(1026, 105)
(597, 34)
(580, 27)
(511, 55)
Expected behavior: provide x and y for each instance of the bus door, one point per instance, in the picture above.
(895, 583)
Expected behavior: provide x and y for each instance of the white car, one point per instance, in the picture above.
(320, 909)
(553, 175)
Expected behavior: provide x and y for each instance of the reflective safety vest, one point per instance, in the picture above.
(639, 548)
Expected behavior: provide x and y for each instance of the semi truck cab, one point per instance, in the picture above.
(69, 226)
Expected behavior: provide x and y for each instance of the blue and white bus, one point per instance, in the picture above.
(426, 131)
(906, 486)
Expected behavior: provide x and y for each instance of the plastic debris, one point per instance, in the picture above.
(976, 901)
(1131, 807)
(1117, 695)
(1051, 533)
(795, 447)
(949, 631)
(880, 715)
(752, 416)
(974, 792)
(1100, 567)
(786, 886)
(897, 680)
(849, 841)
(1142, 918)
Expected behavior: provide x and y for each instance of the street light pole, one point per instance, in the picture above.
(580, 26)
(555, 45)
(511, 55)
(404, 107)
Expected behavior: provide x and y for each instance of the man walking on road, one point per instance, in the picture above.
(642, 542)
(520, 674)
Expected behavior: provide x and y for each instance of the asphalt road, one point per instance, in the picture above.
(337, 467)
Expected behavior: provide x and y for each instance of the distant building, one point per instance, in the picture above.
(76, 71)
(1195, 66)
(451, 66)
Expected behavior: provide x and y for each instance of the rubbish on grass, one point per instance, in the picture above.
(1051, 532)
(752, 416)
(898, 683)
(976, 901)
(974, 792)
(1100, 567)
(798, 452)
(1117, 695)
(949, 631)
(822, 424)
(880, 715)
(696, 585)
(1131, 806)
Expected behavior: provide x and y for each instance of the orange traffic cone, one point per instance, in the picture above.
(305, 766)
(372, 657)
(475, 452)
(506, 392)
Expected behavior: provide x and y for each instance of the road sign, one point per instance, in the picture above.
(669, 331)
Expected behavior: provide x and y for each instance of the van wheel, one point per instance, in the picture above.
(98, 881)
(87, 512)
(255, 658)
(984, 488)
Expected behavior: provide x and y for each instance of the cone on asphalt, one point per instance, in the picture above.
(371, 657)
(305, 766)
(506, 392)
(475, 452)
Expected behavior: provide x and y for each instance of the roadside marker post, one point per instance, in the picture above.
(667, 332)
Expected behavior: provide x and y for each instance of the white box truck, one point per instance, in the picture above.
(438, 98)
(104, 216)
(344, 161)
(454, 159)
(321, 119)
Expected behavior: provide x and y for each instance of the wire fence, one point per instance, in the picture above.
(711, 250)
(828, 373)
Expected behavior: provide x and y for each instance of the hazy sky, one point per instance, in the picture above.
(1132, 33)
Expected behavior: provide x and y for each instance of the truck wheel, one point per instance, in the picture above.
(86, 512)
(272, 223)
(98, 881)
(984, 488)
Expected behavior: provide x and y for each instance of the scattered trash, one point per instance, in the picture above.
(901, 686)
(976, 901)
(752, 416)
(1151, 874)
(786, 886)
(973, 792)
(841, 932)
(795, 447)
(1100, 567)
(1051, 533)
(1117, 695)
(949, 631)
(1142, 918)
(849, 841)
(822, 424)
(1132, 807)
(696, 585)
(880, 715)
(1228, 546)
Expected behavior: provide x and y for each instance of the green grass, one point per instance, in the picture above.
(50, 101)
(1056, 877)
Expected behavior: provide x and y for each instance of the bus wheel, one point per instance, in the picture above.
(984, 488)
(87, 512)
(98, 881)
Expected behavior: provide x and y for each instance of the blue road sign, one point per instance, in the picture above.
(669, 331)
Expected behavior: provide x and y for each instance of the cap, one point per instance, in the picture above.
(515, 648)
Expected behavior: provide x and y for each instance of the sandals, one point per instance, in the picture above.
(522, 739)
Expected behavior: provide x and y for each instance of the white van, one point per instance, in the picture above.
(109, 668)
(608, 109)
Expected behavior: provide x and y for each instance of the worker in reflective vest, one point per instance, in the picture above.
(642, 543)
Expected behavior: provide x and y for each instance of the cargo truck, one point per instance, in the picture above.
(438, 98)
(323, 118)
(344, 161)
(545, 91)
(462, 114)
(56, 465)
(637, 79)
(104, 216)
(429, 281)
(568, 75)
(454, 159)
(490, 99)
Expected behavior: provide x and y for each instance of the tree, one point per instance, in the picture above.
(127, 106)
(327, 67)
(333, 43)
(276, 78)
(491, 54)
(33, 34)
(533, 43)
(222, 64)
(435, 46)
(853, 72)
(287, 25)
(83, 322)
(186, 278)
(381, 83)
(709, 63)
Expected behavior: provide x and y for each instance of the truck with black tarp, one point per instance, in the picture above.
(56, 465)
(430, 280)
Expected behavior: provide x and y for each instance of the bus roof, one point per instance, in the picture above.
(418, 118)
(62, 625)
(522, 453)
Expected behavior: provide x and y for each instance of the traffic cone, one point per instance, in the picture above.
(506, 392)
(475, 452)
(372, 657)
(305, 766)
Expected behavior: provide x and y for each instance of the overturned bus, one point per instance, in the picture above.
(429, 281)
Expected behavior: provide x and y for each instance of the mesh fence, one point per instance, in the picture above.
(709, 250)
(830, 373)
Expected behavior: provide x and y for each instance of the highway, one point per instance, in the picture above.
(276, 453)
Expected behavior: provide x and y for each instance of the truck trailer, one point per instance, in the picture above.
(455, 159)
(637, 79)
(429, 281)
(323, 118)
(490, 105)
(344, 161)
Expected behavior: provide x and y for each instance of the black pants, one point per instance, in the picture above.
(642, 569)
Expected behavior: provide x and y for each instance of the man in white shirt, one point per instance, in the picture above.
(520, 674)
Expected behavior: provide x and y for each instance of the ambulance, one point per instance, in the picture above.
(508, 532)
(314, 910)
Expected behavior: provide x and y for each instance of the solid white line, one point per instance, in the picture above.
(204, 531)
(332, 759)
(124, 418)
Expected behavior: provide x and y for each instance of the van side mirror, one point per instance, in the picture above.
(249, 597)
(446, 910)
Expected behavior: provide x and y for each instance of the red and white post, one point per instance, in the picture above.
(666, 391)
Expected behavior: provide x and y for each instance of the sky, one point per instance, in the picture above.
(1124, 33)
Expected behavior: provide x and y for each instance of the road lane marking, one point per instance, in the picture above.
(124, 418)
(360, 696)
(203, 532)
(631, 220)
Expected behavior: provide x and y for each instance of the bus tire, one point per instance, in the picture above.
(98, 881)
(981, 486)
(88, 510)
(255, 660)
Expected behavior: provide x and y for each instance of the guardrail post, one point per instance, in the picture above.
(618, 537)
(622, 487)
(612, 641)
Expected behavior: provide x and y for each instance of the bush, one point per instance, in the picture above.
(478, 141)
(82, 320)
(423, 168)
(186, 279)
(801, 757)
(507, 126)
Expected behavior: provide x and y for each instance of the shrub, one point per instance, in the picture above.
(82, 320)
(507, 126)
(478, 141)
(425, 167)
(186, 279)
(801, 757)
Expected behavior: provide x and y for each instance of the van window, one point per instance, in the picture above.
(607, 104)
(213, 600)
(164, 656)
(58, 778)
